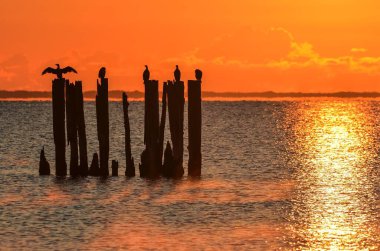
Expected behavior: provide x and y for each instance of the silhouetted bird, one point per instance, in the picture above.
(59, 71)
(198, 74)
(102, 73)
(146, 74)
(177, 74)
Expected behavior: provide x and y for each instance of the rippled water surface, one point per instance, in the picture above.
(290, 175)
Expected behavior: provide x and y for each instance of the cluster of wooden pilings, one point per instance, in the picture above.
(156, 160)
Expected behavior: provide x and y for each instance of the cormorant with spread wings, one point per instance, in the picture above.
(59, 71)
(177, 74)
(146, 74)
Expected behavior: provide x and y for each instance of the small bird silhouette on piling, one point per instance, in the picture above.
(102, 73)
(59, 71)
(146, 74)
(177, 74)
(198, 74)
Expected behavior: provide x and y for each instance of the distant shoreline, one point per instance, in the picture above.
(116, 95)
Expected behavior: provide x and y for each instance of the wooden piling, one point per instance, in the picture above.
(162, 126)
(195, 127)
(94, 168)
(58, 101)
(115, 168)
(176, 102)
(150, 165)
(44, 168)
(81, 125)
(102, 116)
(71, 126)
(130, 165)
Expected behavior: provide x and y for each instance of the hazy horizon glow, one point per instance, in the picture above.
(242, 46)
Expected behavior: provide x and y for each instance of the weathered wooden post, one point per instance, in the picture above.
(150, 165)
(44, 164)
(194, 127)
(81, 125)
(115, 168)
(58, 100)
(71, 126)
(162, 126)
(103, 124)
(130, 165)
(94, 168)
(176, 102)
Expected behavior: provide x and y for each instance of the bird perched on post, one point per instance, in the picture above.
(198, 74)
(177, 74)
(146, 74)
(58, 71)
(102, 73)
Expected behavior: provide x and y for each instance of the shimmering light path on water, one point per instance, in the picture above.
(277, 175)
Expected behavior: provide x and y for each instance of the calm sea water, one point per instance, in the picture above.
(277, 175)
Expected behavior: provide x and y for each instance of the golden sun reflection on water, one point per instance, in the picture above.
(334, 200)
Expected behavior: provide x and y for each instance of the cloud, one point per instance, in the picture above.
(14, 72)
(355, 50)
(189, 58)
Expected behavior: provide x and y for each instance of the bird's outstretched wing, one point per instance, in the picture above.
(49, 70)
(68, 69)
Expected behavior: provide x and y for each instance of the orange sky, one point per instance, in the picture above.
(241, 45)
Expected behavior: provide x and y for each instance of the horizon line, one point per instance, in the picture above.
(116, 94)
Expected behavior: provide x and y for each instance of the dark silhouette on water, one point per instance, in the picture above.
(76, 129)
(58, 98)
(71, 128)
(115, 168)
(81, 127)
(169, 164)
(161, 134)
(176, 102)
(151, 158)
(130, 163)
(94, 168)
(194, 92)
(198, 74)
(150, 163)
(177, 74)
(59, 71)
(102, 118)
(44, 164)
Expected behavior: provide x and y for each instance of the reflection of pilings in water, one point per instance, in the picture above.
(58, 101)
(149, 157)
(81, 125)
(176, 102)
(130, 165)
(44, 164)
(194, 127)
(162, 126)
(102, 117)
(71, 126)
